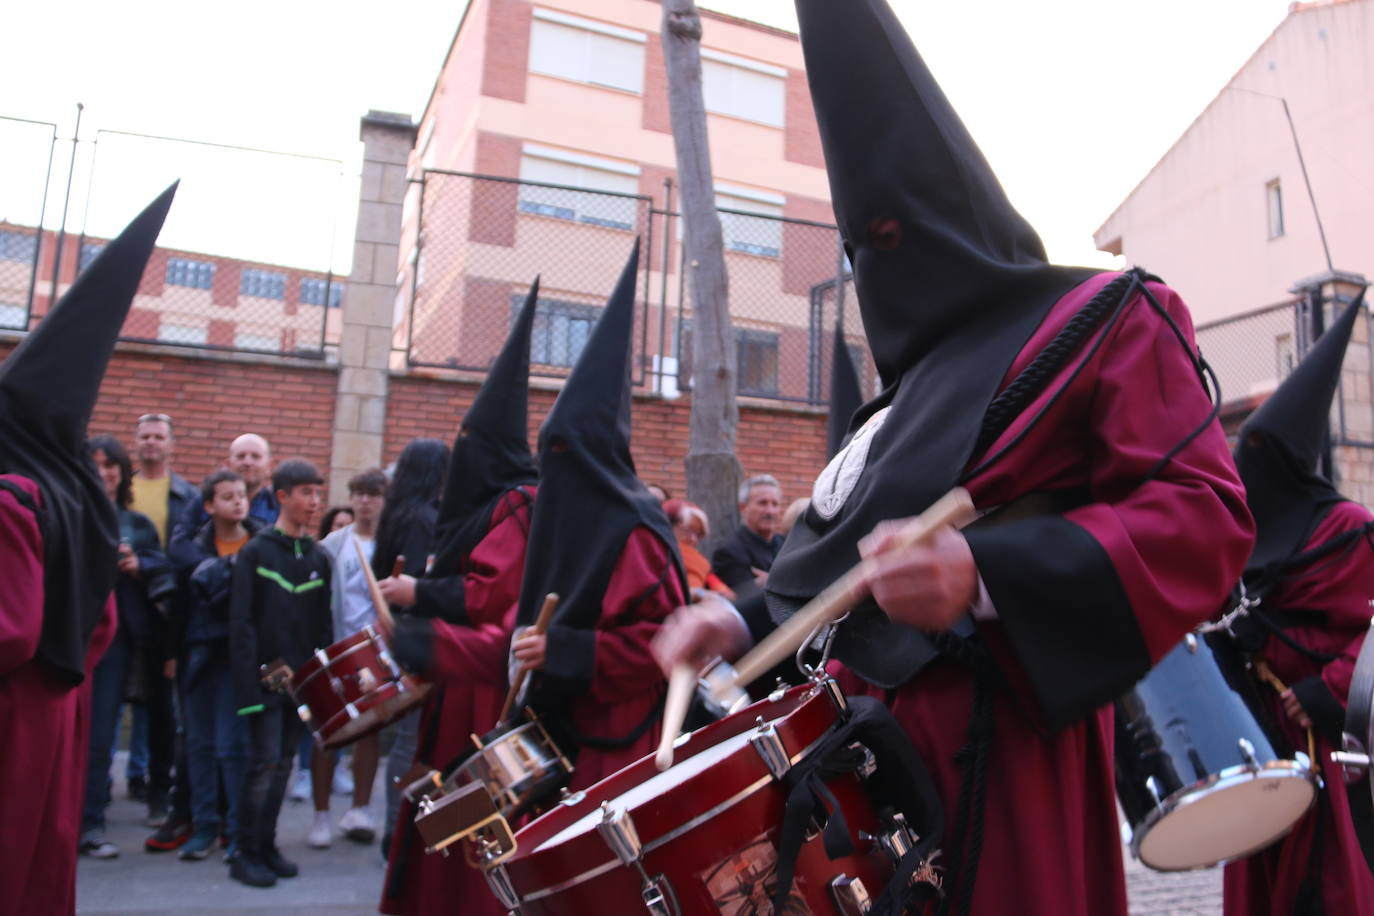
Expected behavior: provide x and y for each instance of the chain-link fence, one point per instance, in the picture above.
(246, 261)
(1253, 352)
(479, 240)
(24, 182)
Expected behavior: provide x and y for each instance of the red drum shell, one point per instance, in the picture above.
(332, 682)
(699, 826)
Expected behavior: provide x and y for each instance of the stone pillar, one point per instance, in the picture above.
(365, 343)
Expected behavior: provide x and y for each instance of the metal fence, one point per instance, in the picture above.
(477, 241)
(29, 147)
(1254, 351)
(246, 261)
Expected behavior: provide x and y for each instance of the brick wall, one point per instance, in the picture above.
(788, 444)
(213, 400)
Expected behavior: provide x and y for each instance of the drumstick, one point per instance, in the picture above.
(541, 624)
(378, 602)
(954, 508)
(680, 684)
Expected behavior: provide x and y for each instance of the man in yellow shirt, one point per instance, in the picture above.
(159, 492)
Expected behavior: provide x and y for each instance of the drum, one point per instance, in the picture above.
(520, 767)
(1202, 773)
(701, 837)
(353, 688)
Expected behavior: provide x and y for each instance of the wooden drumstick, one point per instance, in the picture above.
(680, 686)
(384, 618)
(541, 624)
(954, 508)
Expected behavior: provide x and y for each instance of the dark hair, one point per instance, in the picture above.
(292, 473)
(224, 475)
(115, 451)
(327, 523)
(373, 481)
(415, 486)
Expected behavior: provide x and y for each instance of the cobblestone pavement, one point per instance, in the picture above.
(345, 880)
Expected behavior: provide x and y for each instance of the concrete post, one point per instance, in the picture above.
(365, 343)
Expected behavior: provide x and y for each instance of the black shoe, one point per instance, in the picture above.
(281, 866)
(138, 788)
(251, 872)
(159, 809)
(169, 836)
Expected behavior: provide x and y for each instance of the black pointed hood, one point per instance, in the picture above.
(589, 496)
(846, 395)
(951, 283)
(491, 453)
(1279, 448)
(48, 388)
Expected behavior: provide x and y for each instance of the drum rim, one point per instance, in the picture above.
(323, 666)
(1223, 779)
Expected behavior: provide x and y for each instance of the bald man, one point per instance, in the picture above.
(251, 458)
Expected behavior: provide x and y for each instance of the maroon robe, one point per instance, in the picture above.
(46, 727)
(1339, 587)
(468, 669)
(627, 683)
(1051, 844)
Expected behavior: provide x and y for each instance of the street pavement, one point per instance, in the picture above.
(346, 879)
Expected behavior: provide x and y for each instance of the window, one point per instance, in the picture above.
(1284, 356)
(188, 272)
(743, 88)
(560, 329)
(265, 284)
(13, 316)
(89, 252)
(756, 360)
(182, 334)
(246, 341)
(586, 51)
(1273, 197)
(576, 171)
(313, 291)
(17, 246)
(751, 234)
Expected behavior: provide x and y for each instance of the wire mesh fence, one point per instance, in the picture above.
(480, 240)
(24, 184)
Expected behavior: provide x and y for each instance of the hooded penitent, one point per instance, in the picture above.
(951, 283)
(48, 388)
(845, 394)
(1279, 450)
(589, 496)
(491, 454)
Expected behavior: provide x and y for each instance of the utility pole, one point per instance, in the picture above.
(713, 471)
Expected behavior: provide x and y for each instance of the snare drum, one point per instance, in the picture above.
(1202, 773)
(700, 837)
(353, 688)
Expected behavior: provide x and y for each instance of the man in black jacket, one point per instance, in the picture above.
(278, 609)
(743, 558)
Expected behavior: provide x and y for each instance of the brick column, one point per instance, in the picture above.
(365, 343)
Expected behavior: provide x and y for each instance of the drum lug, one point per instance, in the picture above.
(500, 885)
(851, 897)
(617, 828)
(896, 841)
(1353, 758)
(869, 765)
(769, 746)
(1247, 753)
(659, 899)
(1152, 786)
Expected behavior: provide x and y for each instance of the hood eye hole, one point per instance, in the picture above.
(885, 233)
(558, 445)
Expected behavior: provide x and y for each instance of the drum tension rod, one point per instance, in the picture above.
(618, 830)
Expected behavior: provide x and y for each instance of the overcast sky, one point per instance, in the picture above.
(1072, 100)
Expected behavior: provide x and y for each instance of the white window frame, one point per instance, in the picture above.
(732, 108)
(247, 340)
(187, 335)
(1273, 208)
(616, 211)
(595, 37)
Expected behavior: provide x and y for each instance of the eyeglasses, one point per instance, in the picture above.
(155, 418)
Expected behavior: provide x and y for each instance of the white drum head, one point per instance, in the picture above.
(1227, 820)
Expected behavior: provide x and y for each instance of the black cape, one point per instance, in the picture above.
(846, 396)
(48, 388)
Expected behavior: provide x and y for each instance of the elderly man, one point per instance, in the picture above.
(743, 558)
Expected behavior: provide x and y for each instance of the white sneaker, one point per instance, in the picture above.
(343, 779)
(300, 786)
(356, 825)
(320, 835)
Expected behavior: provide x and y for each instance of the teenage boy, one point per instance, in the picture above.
(215, 736)
(278, 613)
(353, 610)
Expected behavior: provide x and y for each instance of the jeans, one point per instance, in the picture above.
(272, 737)
(107, 700)
(216, 746)
(137, 765)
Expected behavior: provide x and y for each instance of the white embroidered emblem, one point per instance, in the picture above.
(841, 475)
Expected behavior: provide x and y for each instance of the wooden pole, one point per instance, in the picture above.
(384, 618)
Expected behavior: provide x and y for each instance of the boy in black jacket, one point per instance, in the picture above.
(278, 609)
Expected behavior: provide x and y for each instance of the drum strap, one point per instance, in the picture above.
(899, 781)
